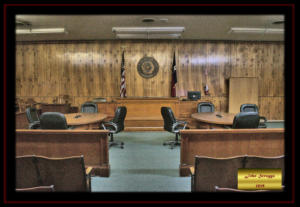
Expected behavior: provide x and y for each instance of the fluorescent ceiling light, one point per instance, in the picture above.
(41, 31)
(147, 29)
(164, 36)
(148, 32)
(148, 36)
(275, 31)
(132, 36)
(256, 30)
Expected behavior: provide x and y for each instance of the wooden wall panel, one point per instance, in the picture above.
(86, 70)
(242, 91)
(245, 59)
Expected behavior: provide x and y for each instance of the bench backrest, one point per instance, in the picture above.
(220, 143)
(266, 162)
(66, 174)
(210, 172)
(27, 174)
(92, 144)
(37, 189)
(222, 172)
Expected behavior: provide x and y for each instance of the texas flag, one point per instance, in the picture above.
(174, 78)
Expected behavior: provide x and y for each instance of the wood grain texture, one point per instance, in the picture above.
(242, 91)
(221, 143)
(84, 118)
(92, 144)
(21, 120)
(211, 117)
(87, 70)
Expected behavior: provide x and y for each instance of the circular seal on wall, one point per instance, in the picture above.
(147, 67)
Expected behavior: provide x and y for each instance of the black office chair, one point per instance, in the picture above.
(89, 107)
(205, 107)
(254, 108)
(116, 125)
(33, 118)
(172, 125)
(246, 120)
(53, 120)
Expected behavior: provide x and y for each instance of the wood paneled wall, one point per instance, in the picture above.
(86, 70)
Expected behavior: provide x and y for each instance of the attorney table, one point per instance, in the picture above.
(84, 120)
(210, 120)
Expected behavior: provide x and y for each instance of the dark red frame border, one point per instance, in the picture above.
(146, 202)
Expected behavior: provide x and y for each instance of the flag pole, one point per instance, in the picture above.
(123, 84)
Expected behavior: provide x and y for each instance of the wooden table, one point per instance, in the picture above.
(210, 120)
(85, 121)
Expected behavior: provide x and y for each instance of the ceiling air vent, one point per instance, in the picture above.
(147, 20)
(278, 22)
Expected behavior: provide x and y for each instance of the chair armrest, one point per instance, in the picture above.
(71, 127)
(104, 124)
(88, 178)
(88, 170)
(184, 123)
(192, 171)
(35, 125)
(263, 118)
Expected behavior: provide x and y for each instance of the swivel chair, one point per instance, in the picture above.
(115, 126)
(205, 107)
(172, 125)
(89, 107)
(33, 118)
(254, 108)
(53, 120)
(246, 120)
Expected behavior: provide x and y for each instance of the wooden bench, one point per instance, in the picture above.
(221, 174)
(63, 174)
(21, 120)
(222, 143)
(92, 144)
(37, 189)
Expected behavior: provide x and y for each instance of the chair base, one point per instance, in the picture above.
(116, 143)
(262, 125)
(112, 142)
(172, 143)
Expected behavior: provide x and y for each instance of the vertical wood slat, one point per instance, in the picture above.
(86, 70)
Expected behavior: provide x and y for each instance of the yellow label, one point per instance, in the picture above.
(259, 179)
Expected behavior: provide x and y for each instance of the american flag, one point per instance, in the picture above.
(174, 78)
(123, 85)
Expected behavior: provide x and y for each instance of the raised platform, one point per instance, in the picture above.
(143, 114)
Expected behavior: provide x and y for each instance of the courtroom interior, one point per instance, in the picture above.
(148, 103)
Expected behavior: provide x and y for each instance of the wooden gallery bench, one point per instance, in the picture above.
(92, 144)
(222, 143)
